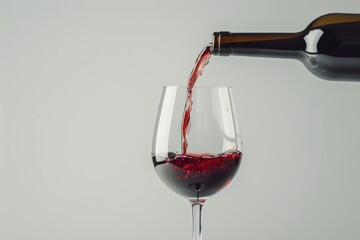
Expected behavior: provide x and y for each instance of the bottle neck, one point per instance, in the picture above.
(281, 45)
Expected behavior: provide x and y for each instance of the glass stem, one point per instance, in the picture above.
(196, 213)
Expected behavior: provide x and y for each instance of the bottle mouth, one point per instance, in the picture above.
(217, 47)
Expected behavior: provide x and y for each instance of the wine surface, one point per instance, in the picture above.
(197, 176)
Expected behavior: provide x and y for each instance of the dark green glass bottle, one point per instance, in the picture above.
(329, 47)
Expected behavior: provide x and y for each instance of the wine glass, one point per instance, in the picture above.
(205, 162)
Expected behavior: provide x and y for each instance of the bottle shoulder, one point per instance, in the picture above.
(334, 18)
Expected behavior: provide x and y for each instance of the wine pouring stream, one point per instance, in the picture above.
(329, 48)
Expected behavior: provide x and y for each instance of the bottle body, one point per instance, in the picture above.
(329, 47)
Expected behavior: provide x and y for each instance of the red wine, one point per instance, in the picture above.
(329, 47)
(200, 63)
(197, 176)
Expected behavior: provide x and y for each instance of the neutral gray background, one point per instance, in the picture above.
(80, 83)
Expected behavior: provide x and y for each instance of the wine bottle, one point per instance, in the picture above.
(329, 47)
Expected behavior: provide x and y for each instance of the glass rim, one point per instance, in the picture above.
(195, 87)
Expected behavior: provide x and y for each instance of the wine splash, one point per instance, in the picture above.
(200, 63)
(197, 176)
